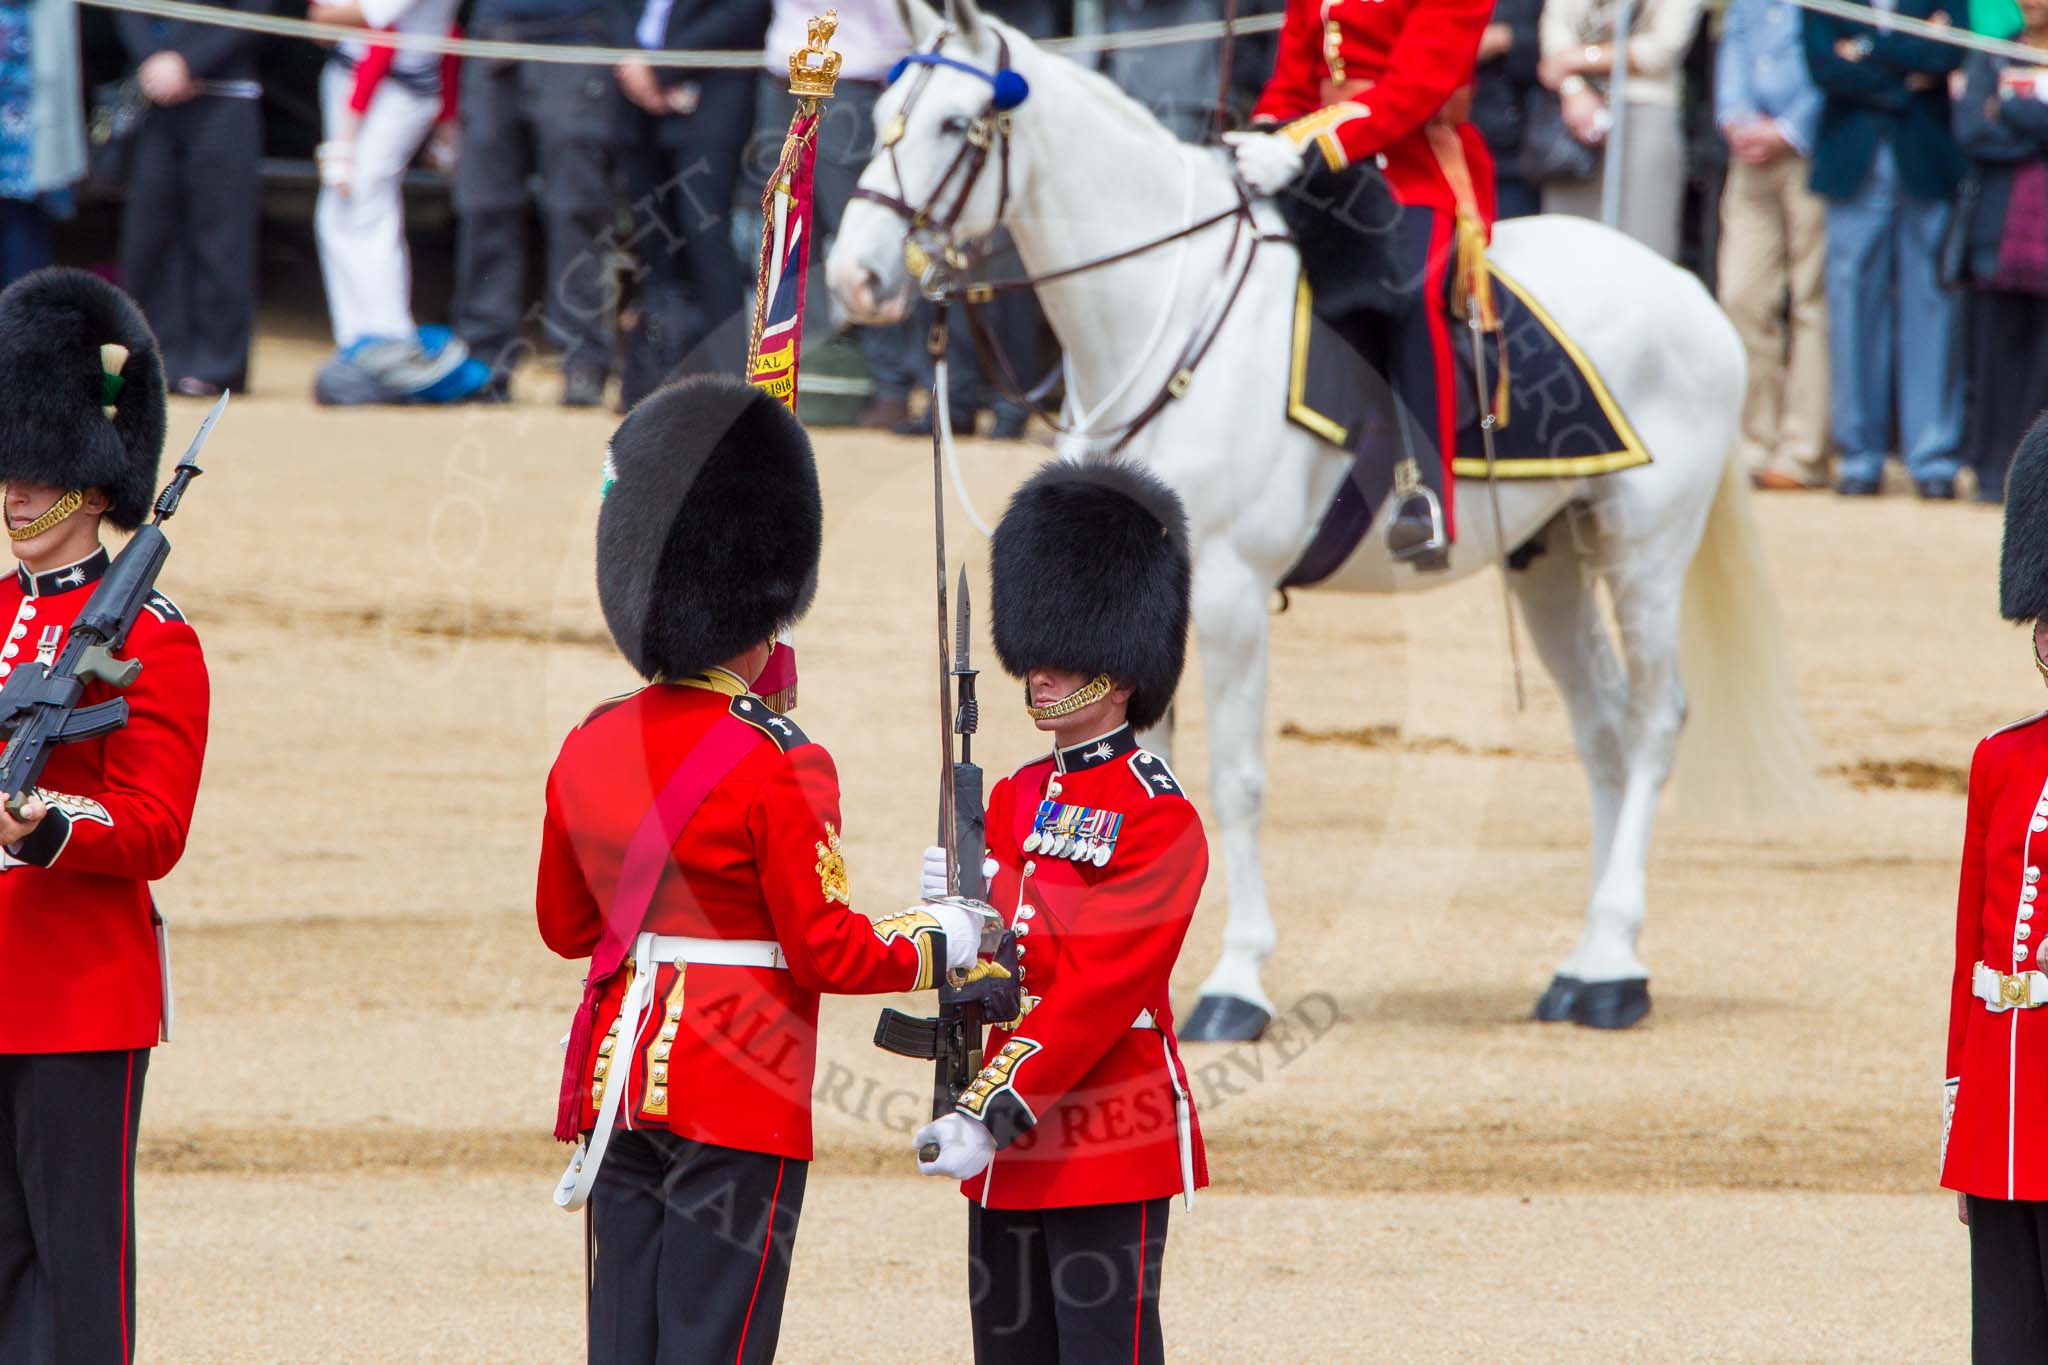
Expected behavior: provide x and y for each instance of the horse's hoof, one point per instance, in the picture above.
(1558, 1000)
(1225, 1019)
(1612, 1004)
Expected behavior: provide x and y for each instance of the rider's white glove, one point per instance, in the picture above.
(932, 883)
(1265, 161)
(963, 934)
(965, 1147)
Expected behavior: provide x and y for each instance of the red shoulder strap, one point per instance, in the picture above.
(729, 740)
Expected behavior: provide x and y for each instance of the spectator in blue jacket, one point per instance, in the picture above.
(1885, 160)
(1773, 242)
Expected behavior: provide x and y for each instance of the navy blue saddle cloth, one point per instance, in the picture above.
(1561, 420)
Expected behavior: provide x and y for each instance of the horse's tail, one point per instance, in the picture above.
(1746, 748)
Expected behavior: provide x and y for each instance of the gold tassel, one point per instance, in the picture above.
(1475, 287)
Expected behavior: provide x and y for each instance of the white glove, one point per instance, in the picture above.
(1266, 162)
(965, 1147)
(932, 883)
(963, 934)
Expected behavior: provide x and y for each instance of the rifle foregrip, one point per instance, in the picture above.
(970, 829)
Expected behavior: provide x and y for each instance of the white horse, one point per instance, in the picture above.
(1090, 173)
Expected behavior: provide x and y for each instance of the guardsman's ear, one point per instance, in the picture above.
(95, 502)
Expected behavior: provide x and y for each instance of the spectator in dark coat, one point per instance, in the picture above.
(519, 119)
(1887, 164)
(684, 134)
(188, 227)
(1509, 50)
(2002, 127)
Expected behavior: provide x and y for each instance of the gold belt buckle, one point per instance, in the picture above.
(2015, 991)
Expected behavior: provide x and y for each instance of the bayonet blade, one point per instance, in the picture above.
(191, 459)
(963, 626)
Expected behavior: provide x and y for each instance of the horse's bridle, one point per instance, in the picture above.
(935, 254)
(985, 131)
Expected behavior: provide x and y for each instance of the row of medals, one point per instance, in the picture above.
(1075, 833)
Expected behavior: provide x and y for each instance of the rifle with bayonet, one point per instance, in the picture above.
(39, 704)
(968, 1003)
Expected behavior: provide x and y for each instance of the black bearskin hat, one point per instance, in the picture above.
(53, 392)
(1089, 572)
(708, 540)
(2023, 564)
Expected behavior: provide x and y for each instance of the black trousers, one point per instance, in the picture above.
(67, 1206)
(521, 120)
(2008, 369)
(188, 234)
(691, 1251)
(1074, 1286)
(2008, 1281)
(681, 172)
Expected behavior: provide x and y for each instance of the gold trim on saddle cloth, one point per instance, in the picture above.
(1297, 374)
(1632, 452)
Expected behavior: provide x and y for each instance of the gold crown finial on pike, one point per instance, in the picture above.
(814, 67)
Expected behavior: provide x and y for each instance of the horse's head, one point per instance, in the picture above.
(941, 177)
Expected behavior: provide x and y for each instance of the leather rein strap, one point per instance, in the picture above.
(990, 130)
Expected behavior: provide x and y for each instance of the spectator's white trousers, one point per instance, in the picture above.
(361, 233)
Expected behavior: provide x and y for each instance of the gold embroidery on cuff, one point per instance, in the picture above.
(997, 1075)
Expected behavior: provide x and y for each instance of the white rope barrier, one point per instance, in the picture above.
(1920, 28)
(568, 55)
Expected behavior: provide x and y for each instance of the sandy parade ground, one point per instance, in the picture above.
(345, 1154)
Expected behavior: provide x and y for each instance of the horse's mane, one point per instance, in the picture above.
(1131, 111)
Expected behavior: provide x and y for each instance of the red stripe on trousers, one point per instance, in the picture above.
(1138, 1317)
(767, 1241)
(127, 1107)
(1440, 349)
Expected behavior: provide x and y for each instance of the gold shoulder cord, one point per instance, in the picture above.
(60, 509)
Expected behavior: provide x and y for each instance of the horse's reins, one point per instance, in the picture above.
(990, 131)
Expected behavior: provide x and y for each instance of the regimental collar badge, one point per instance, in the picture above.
(67, 579)
(1096, 752)
(1076, 833)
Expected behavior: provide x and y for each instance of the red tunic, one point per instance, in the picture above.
(78, 954)
(1080, 1101)
(759, 861)
(1997, 1143)
(1418, 54)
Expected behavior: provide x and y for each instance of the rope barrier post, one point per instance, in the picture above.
(1612, 167)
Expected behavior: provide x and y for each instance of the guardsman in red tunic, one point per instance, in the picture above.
(691, 850)
(1080, 1128)
(84, 985)
(1995, 1098)
(1386, 83)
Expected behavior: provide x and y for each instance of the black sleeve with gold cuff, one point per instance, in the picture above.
(993, 1100)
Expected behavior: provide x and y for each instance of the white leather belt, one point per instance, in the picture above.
(1999, 992)
(1144, 1020)
(718, 952)
(572, 1191)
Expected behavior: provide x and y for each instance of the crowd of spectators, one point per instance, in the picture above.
(1882, 224)
(1879, 235)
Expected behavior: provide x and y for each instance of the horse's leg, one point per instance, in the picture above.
(1231, 630)
(1647, 589)
(1558, 595)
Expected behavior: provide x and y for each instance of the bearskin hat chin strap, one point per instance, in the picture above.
(1085, 695)
(60, 509)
